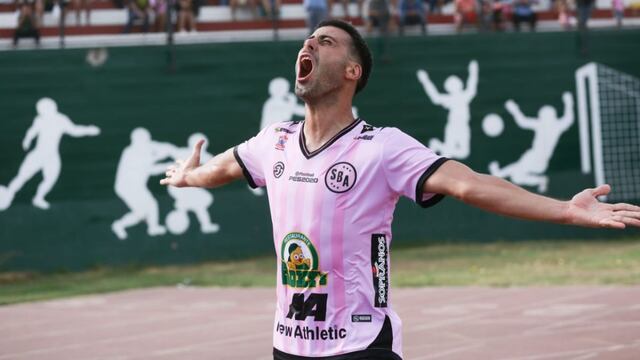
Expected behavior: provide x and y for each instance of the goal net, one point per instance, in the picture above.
(609, 120)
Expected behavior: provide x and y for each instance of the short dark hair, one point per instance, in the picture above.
(359, 45)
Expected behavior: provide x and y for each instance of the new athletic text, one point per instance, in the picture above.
(311, 332)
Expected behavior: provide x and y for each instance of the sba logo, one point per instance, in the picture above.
(340, 177)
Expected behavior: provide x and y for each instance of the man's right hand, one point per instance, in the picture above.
(176, 174)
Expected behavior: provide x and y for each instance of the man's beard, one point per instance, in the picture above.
(319, 86)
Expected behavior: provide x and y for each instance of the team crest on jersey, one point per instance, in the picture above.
(340, 177)
(281, 142)
(299, 262)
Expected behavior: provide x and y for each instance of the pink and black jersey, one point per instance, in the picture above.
(331, 211)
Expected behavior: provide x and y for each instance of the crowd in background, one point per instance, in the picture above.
(386, 16)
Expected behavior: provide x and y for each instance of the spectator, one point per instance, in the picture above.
(187, 11)
(159, 8)
(498, 10)
(564, 13)
(465, 13)
(272, 9)
(435, 6)
(522, 12)
(82, 4)
(484, 14)
(345, 7)
(379, 16)
(138, 10)
(316, 12)
(412, 12)
(28, 24)
(60, 12)
(251, 4)
(617, 6)
(583, 8)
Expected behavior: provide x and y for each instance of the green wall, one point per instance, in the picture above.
(219, 89)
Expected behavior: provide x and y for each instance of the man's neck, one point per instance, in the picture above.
(324, 121)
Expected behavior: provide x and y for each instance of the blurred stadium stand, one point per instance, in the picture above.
(214, 23)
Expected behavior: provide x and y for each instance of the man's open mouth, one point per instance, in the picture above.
(305, 67)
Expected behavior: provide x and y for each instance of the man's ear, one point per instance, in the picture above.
(354, 71)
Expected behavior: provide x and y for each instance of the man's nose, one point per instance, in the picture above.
(310, 43)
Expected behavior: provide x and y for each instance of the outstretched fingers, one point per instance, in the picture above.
(613, 221)
(171, 171)
(624, 206)
(629, 214)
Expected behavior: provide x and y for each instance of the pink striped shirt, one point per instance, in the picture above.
(331, 211)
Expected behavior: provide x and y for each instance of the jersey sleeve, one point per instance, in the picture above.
(407, 165)
(250, 155)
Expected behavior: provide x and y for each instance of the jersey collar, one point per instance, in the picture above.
(309, 154)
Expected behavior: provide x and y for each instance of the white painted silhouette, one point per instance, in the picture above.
(192, 199)
(530, 168)
(457, 133)
(138, 162)
(49, 126)
(282, 104)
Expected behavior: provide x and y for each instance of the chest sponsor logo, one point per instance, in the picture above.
(380, 269)
(340, 177)
(301, 176)
(299, 262)
(278, 169)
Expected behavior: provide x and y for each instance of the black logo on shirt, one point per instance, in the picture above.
(278, 169)
(366, 128)
(340, 177)
(315, 305)
(380, 268)
(360, 318)
(363, 137)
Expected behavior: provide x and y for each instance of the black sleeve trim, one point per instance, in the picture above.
(245, 172)
(435, 198)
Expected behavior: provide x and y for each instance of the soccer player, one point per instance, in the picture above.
(333, 182)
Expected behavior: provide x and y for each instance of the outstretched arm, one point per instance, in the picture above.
(220, 170)
(429, 88)
(81, 130)
(31, 134)
(522, 121)
(499, 196)
(567, 118)
(472, 80)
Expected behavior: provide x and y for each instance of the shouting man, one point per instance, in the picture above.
(333, 182)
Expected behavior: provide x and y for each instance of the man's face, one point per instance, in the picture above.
(321, 62)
